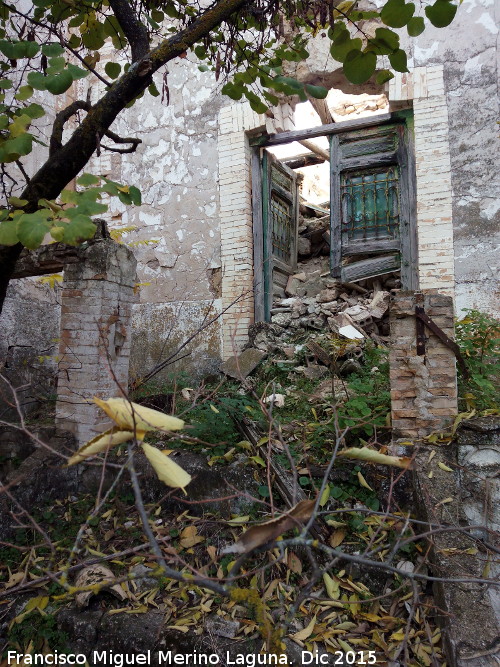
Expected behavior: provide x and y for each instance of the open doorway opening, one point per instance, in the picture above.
(337, 215)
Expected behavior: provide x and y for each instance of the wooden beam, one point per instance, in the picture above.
(321, 130)
(315, 149)
(45, 260)
(299, 161)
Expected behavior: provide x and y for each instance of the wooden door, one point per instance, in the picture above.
(280, 213)
(372, 207)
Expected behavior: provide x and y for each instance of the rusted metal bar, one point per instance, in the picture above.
(446, 340)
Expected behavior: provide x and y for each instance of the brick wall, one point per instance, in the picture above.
(425, 87)
(96, 307)
(423, 388)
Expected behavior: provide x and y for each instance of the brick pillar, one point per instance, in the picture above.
(96, 309)
(423, 388)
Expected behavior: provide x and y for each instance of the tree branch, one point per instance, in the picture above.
(135, 31)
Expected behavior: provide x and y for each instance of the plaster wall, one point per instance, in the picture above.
(468, 52)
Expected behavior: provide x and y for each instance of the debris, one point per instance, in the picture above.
(277, 400)
(241, 366)
(98, 577)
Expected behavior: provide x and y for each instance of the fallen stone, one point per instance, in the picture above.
(314, 372)
(303, 246)
(283, 319)
(241, 366)
(291, 286)
(300, 276)
(222, 627)
(327, 295)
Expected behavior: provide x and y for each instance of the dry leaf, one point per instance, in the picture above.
(277, 400)
(96, 576)
(363, 482)
(114, 436)
(258, 535)
(167, 470)
(306, 632)
(444, 467)
(189, 537)
(338, 537)
(131, 416)
(372, 456)
(294, 563)
(332, 587)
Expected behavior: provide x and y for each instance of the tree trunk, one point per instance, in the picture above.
(8, 258)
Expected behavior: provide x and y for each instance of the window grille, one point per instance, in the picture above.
(370, 204)
(282, 228)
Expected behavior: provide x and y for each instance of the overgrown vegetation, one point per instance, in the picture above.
(478, 336)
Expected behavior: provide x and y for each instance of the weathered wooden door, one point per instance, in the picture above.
(372, 204)
(280, 212)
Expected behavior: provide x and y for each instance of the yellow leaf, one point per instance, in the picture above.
(131, 416)
(445, 501)
(347, 648)
(52, 279)
(114, 436)
(238, 520)
(324, 496)
(189, 537)
(167, 470)
(373, 456)
(363, 482)
(445, 467)
(306, 632)
(214, 409)
(431, 456)
(398, 636)
(332, 587)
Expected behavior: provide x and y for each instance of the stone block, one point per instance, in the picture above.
(241, 366)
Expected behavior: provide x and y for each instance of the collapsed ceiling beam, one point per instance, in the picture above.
(310, 145)
(298, 161)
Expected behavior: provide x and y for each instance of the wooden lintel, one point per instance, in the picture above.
(321, 130)
(45, 260)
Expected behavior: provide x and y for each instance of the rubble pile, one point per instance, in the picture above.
(314, 300)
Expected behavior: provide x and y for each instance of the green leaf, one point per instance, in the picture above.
(396, 13)
(113, 70)
(77, 72)
(441, 13)
(383, 76)
(318, 92)
(416, 25)
(153, 90)
(34, 111)
(386, 41)
(359, 66)
(56, 65)
(264, 491)
(18, 203)
(5, 84)
(86, 180)
(232, 91)
(14, 148)
(135, 195)
(52, 50)
(32, 227)
(79, 229)
(398, 61)
(24, 93)
(59, 83)
(37, 80)
(8, 232)
(343, 44)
